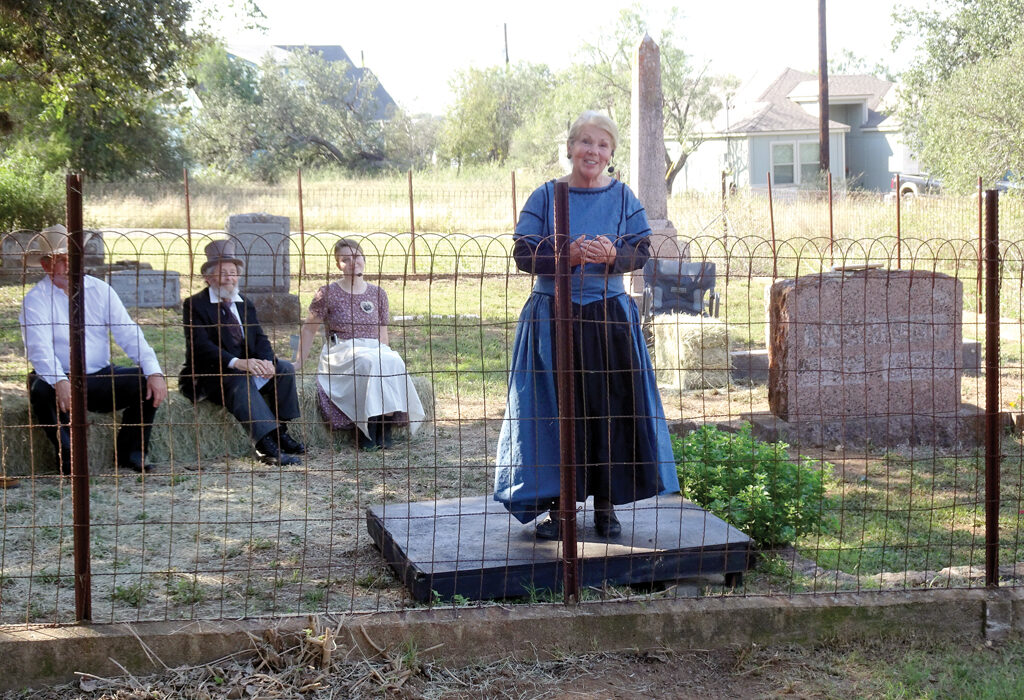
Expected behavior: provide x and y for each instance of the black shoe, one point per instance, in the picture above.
(289, 445)
(268, 451)
(134, 461)
(547, 529)
(372, 440)
(606, 523)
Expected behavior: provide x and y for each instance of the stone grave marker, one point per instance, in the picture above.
(868, 355)
(263, 241)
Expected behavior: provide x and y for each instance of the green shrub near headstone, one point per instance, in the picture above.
(752, 485)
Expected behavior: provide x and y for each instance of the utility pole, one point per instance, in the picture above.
(506, 44)
(823, 163)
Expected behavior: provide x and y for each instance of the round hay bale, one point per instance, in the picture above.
(692, 352)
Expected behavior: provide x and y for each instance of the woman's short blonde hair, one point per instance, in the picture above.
(592, 118)
(348, 243)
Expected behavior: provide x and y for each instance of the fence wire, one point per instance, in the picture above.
(212, 531)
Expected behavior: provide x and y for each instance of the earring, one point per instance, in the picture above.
(611, 169)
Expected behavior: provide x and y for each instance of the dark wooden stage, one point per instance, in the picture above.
(472, 547)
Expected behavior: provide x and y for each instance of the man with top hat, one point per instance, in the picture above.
(45, 329)
(229, 360)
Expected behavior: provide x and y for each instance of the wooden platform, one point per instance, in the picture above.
(474, 548)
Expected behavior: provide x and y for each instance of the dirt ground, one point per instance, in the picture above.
(282, 668)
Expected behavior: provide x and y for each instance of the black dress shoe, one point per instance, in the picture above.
(268, 451)
(290, 445)
(133, 461)
(606, 523)
(548, 529)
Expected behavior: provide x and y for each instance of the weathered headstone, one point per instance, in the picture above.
(868, 355)
(146, 288)
(647, 150)
(263, 242)
(14, 244)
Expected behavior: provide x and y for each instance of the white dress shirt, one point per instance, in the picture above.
(46, 328)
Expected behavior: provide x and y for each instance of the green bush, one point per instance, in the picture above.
(30, 198)
(752, 485)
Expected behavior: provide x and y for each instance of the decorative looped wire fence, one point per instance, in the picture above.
(212, 532)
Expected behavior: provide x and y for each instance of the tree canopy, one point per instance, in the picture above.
(961, 97)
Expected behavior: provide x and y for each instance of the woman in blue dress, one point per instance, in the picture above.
(623, 451)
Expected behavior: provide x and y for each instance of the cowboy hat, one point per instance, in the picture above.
(218, 252)
(52, 240)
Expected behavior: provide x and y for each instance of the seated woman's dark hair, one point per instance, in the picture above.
(350, 243)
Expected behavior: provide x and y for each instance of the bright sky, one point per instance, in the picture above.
(415, 46)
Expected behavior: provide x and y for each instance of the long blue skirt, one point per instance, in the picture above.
(623, 451)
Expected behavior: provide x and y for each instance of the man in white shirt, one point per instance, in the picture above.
(45, 329)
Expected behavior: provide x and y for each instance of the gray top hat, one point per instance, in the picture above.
(52, 240)
(218, 252)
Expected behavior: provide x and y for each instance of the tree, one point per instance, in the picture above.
(691, 92)
(490, 105)
(96, 85)
(973, 121)
(959, 39)
(849, 63)
(302, 112)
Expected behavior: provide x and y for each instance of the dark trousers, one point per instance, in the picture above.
(108, 390)
(260, 411)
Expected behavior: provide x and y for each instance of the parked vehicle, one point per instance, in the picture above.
(913, 185)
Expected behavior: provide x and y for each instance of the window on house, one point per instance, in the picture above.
(794, 163)
(810, 164)
(782, 163)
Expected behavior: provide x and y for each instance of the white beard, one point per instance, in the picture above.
(224, 293)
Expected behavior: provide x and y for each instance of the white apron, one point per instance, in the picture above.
(364, 379)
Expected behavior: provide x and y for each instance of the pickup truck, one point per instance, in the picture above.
(912, 185)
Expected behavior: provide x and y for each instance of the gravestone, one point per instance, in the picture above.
(868, 356)
(263, 241)
(647, 153)
(14, 244)
(141, 287)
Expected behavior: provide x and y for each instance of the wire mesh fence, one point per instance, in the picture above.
(854, 459)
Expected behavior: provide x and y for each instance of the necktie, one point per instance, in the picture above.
(229, 322)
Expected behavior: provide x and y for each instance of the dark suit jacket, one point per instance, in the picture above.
(209, 345)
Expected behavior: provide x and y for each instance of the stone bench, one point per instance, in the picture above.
(183, 433)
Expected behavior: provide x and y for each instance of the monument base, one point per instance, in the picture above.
(473, 547)
(962, 428)
(275, 308)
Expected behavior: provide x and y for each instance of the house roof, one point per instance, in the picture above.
(778, 108)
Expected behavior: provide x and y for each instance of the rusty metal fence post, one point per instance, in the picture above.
(188, 221)
(79, 438)
(412, 226)
(831, 227)
(566, 408)
(899, 233)
(771, 223)
(515, 208)
(302, 233)
(992, 427)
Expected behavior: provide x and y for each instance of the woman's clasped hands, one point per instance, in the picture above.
(596, 249)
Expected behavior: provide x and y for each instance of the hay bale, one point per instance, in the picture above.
(691, 352)
(183, 432)
(312, 430)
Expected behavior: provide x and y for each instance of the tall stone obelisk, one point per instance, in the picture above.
(647, 151)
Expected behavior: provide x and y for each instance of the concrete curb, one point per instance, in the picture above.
(32, 656)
